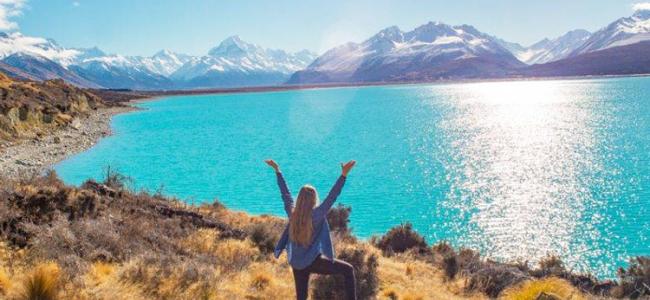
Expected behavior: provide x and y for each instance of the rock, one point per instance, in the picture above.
(547, 296)
(23, 163)
(57, 140)
(76, 124)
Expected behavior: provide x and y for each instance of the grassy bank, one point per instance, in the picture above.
(102, 241)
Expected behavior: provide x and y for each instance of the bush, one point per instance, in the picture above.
(445, 257)
(339, 218)
(115, 180)
(443, 249)
(635, 280)
(494, 278)
(469, 261)
(550, 266)
(450, 266)
(365, 271)
(400, 239)
(262, 236)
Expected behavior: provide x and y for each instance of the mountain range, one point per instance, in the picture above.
(439, 51)
(230, 64)
(432, 51)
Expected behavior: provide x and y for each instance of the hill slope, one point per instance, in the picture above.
(622, 60)
(28, 108)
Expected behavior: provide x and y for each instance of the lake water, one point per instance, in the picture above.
(515, 169)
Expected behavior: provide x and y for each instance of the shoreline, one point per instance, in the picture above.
(151, 95)
(33, 156)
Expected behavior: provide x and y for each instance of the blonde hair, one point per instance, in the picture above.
(300, 226)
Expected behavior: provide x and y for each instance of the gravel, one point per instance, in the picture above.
(34, 156)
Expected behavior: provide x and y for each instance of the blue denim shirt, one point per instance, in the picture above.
(300, 257)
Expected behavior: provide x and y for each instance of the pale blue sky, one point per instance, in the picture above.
(142, 27)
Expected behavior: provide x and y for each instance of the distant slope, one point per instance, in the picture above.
(431, 51)
(117, 77)
(622, 32)
(28, 107)
(548, 50)
(623, 60)
(34, 67)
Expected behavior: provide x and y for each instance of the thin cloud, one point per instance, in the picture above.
(76, 3)
(641, 6)
(8, 10)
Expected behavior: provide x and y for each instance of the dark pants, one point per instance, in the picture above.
(326, 267)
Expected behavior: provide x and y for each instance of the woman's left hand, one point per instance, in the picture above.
(346, 167)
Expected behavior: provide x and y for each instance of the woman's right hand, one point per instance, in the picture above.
(273, 165)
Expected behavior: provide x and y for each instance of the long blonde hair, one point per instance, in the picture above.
(300, 227)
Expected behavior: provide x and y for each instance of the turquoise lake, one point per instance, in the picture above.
(515, 169)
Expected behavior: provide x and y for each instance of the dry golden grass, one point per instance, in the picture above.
(102, 282)
(235, 255)
(530, 290)
(160, 249)
(202, 241)
(5, 282)
(43, 283)
(403, 277)
(261, 280)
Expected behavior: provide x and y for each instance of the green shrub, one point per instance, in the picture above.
(339, 218)
(263, 237)
(400, 239)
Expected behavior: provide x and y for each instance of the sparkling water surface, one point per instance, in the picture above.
(518, 170)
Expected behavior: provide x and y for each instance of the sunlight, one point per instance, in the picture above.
(528, 194)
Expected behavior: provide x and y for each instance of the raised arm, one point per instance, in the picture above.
(320, 212)
(284, 190)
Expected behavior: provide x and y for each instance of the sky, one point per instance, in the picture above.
(143, 27)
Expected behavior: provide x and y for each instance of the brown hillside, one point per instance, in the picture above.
(29, 108)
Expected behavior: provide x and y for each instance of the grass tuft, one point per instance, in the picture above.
(550, 288)
(42, 283)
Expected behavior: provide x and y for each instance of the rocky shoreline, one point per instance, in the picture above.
(33, 156)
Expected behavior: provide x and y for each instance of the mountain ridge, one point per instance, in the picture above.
(429, 52)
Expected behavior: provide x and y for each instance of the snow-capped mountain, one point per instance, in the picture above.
(232, 63)
(431, 51)
(548, 50)
(235, 62)
(165, 62)
(117, 71)
(133, 72)
(12, 43)
(622, 32)
(35, 67)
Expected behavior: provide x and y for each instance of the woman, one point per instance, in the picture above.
(307, 236)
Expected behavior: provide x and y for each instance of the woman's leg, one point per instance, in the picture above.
(327, 267)
(301, 278)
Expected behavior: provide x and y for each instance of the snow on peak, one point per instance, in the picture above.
(624, 31)
(235, 55)
(426, 41)
(232, 46)
(15, 42)
(548, 50)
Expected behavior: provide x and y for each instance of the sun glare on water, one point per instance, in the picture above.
(520, 155)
